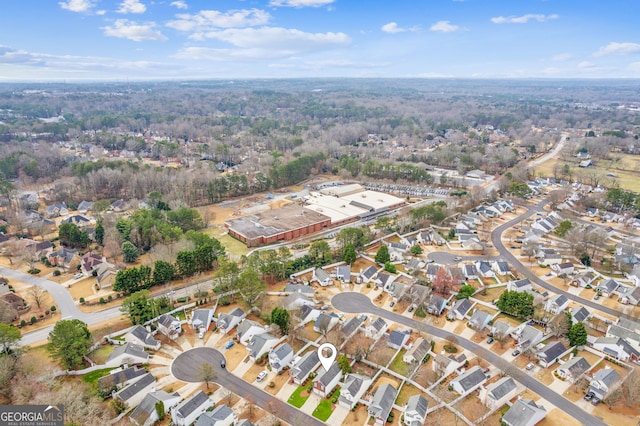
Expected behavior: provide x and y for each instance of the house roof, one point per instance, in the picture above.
(321, 274)
(258, 342)
(167, 320)
(576, 365)
(470, 378)
(328, 376)
(398, 338)
(148, 405)
(378, 324)
(521, 413)
(245, 422)
(122, 376)
(609, 285)
(385, 278)
(417, 403)
(461, 307)
(210, 418)
(282, 351)
(608, 376)
(561, 300)
(128, 349)
(297, 288)
(369, 272)
(501, 327)
(245, 325)
(552, 351)
(565, 265)
(501, 388)
(580, 313)
(145, 336)
(353, 383)
(625, 333)
(432, 269)
(136, 387)
(480, 317)
(437, 302)
(293, 297)
(470, 270)
(304, 311)
(307, 363)
(484, 266)
(201, 316)
(383, 400)
(522, 283)
(419, 349)
(188, 406)
(503, 266)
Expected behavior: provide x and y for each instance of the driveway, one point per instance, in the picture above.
(357, 303)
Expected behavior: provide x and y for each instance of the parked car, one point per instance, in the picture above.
(589, 395)
(78, 275)
(201, 333)
(490, 340)
(411, 308)
(596, 297)
(595, 400)
(261, 376)
(515, 353)
(457, 258)
(223, 364)
(392, 304)
(530, 366)
(230, 344)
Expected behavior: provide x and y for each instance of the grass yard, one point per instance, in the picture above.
(92, 378)
(324, 410)
(297, 399)
(99, 356)
(231, 245)
(489, 294)
(398, 365)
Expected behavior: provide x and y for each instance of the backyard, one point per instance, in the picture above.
(300, 395)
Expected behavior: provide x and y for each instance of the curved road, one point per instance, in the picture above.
(351, 302)
(185, 368)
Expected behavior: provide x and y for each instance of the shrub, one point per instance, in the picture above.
(272, 384)
(53, 309)
(23, 323)
(33, 320)
(34, 271)
(81, 300)
(102, 300)
(368, 285)
(109, 298)
(56, 273)
(181, 299)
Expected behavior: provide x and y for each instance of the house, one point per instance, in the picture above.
(190, 409)
(564, 268)
(498, 393)
(222, 415)
(133, 394)
(524, 412)
(281, 357)
(351, 327)
(397, 339)
(376, 329)
(227, 321)
(78, 220)
(472, 244)
(418, 351)
(16, 304)
(460, 309)
(415, 411)
(550, 259)
(55, 210)
(626, 329)
(603, 381)
(631, 297)
(526, 336)
(63, 257)
(585, 163)
(432, 271)
(260, 345)
(367, 275)
(141, 336)
(325, 322)
(119, 206)
(303, 366)
(520, 285)
(484, 269)
(322, 277)
(470, 272)
(501, 267)
(40, 248)
(382, 403)
(397, 250)
(573, 368)
(579, 314)
(353, 389)
(117, 379)
(384, 280)
(584, 279)
(479, 320)
(169, 326)
(128, 354)
(248, 329)
(501, 329)
(616, 347)
(436, 305)
(468, 381)
(550, 353)
(414, 264)
(343, 273)
(445, 365)
(84, 207)
(146, 413)
(106, 274)
(299, 288)
(307, 313)
(201, 319)
(296, 300)
(557, 304)
(607, 287)
(244, 422)
(327, 381)
(90, 261)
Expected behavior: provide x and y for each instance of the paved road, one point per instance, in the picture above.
(351, 302)
(185, 368)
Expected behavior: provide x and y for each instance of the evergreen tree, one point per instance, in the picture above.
(383, 256)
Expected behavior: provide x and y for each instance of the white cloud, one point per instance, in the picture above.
(101, 12)
(123, 28)
(393, 28)
(614, 48)
(562, 57)
(207, 20)
(131, 6)
(180, 4)
(77, 5)
(300, 3)
(585, 65)
(444, 26)
(523, 19)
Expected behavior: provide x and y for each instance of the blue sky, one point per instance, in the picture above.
(44, 40)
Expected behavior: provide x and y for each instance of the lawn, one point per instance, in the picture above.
(398, 365)
(232, 245)
(324, 410)
(99, 356)
(93, 377)
(296, 399)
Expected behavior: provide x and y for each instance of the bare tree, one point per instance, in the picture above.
(560, 324)
(37, 294)
(631, 388)
(206, 373)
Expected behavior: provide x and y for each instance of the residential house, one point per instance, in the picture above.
(603, 381)
(585, 163)
(557, 304)
(127, 354)
(143, 337)
(117, 379)
(470, 272)
(343, 273)
(414, 264)
(468, 381)
(39, 249)
(146, 413)
(584, 279)
(579, 314)
(187, 412)
(78, 220)
(497, 394)
(424, 238)
(550, 258)
(616, 347)
(201, 319)
(397, 251)
(564, 268)
(573, 368)
(501, 329)
(382, 403)
(550, 353)
(222, 415)
(376, 328)
(444, 365)
(524, 412)
(296, 300)
(134, 393)
(526, 336)
(281, 357)
(631, 297)
(436, 305)
(607, 287)
(626, 329)
(322, 277)
(63, 257)
(353, 389)
(418, 350)
(324, 384)
(106, 274)
(479, 320)
(303, 366)
(484, 269)
(228, 321)
(367, 275)
(248, 329)
(325, 322)
(432, 271)
(260, 345)
(520, 285)
(300, 288)
(415, 411)
(350, 327)
(84, 207)
(119, 206)
(244, 422)
(169, 326)
(472, 244)
(90, 261)
(501, 267)
(460, 309)
(397, 339)
(306, 314)
(55, 210)
(385, 281)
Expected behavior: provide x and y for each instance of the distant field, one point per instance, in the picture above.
(626, 168)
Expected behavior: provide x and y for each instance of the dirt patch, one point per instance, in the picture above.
(406, 392)
(490, 294)
(557, 417)
(308, 333)
(442, 416)
(234, 356)
(356, 417)
(278, 381)
(472, 408)
(385, 378)
(251, 374)
(364, 369)
(381, 353)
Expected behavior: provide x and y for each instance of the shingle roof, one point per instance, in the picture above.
(166, 320)
(148, 405)
(552, 351)
(321, 274)
(144, 335)
(330, 374)
(188, 406)
(501, 388)
(378, 324)
(136, 387)
(307, 363)
(521, 412)
(369, 272)
(462, 306)
(398, 338)
(470, 378)
(419, 349)
(417, 403)
(221, 412)
(576, 365)
(129, 349)
(580, 313)
(608, 376)
(115, 379)
(297, 288)
(382, 401)
(258, 342)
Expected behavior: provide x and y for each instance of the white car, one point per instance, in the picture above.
(530, 366)
(261, 376)
(78, 276)
(201, 333)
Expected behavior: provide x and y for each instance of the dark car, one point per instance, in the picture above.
(411, 308)
(589, 395)
(595, 400)
(392, 304)
(515, 353)
(490, 340)
(223, 364)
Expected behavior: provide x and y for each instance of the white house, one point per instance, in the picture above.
(603, 381)
(190, 409)
(143, 337)
(260, 345)
(617, 348)
(524, 412)
(460, 309)
(226, 322)
(327, 381)
(322, 277)
(146, 413)
(367, 275)
(325, 322)
(222, 415)
(526, 336)
(201, 318)
(133, 394)
(296, 300)
(479, 320)
(419, 349)
(376, 329)
(484, 269)
(247, 329)
(550, 353)
(382, 403)
(306, 314)
(127, 354)
(169, 326)
(343, 273)
(354, 388)
(397, 339)
(607, 287)
(468, 381)
(415, 411)
(556, 304)
(520, 285)
(281, 357)
(564, 268)
(573, 368)
(497, 394)
(303, 366)
(445, 365)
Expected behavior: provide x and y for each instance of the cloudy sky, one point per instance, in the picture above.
(42, 40)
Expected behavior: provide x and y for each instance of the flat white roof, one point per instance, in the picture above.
(337, 209)
(376, 200)
(342, 190)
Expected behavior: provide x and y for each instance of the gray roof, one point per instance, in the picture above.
(304, 311)
(306, 364)
(321, 274)
(167, 320)
(480, 318)
(283, 351)
(529, 334)
(128, 349)
(521, 413)
(144, 335)
(298, 288)
(470, 270)
(609, 285)
(462, 306)
(352, 325)
(378, 324)
(353, 383)
(122, 376)
(419, 404)
(576, 365)
(258, 342)
(188, 406)
(220, 413)
(330, 374)
(148, 405)
(561, 300)
(470, 378)
(608, 376)
(437, 303)
(522, 283)
(552, 351)
(136, 387)
(324, 321)
(625, 333)
(245, 422)
(344, 271)
(382, 401)
(503, 266)
(420, 348)
(432, 269)
(245, 325)
(501, 388)
(201, 316)
(580, 313)
(369, 272)
(484, 266)
(398, 338)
